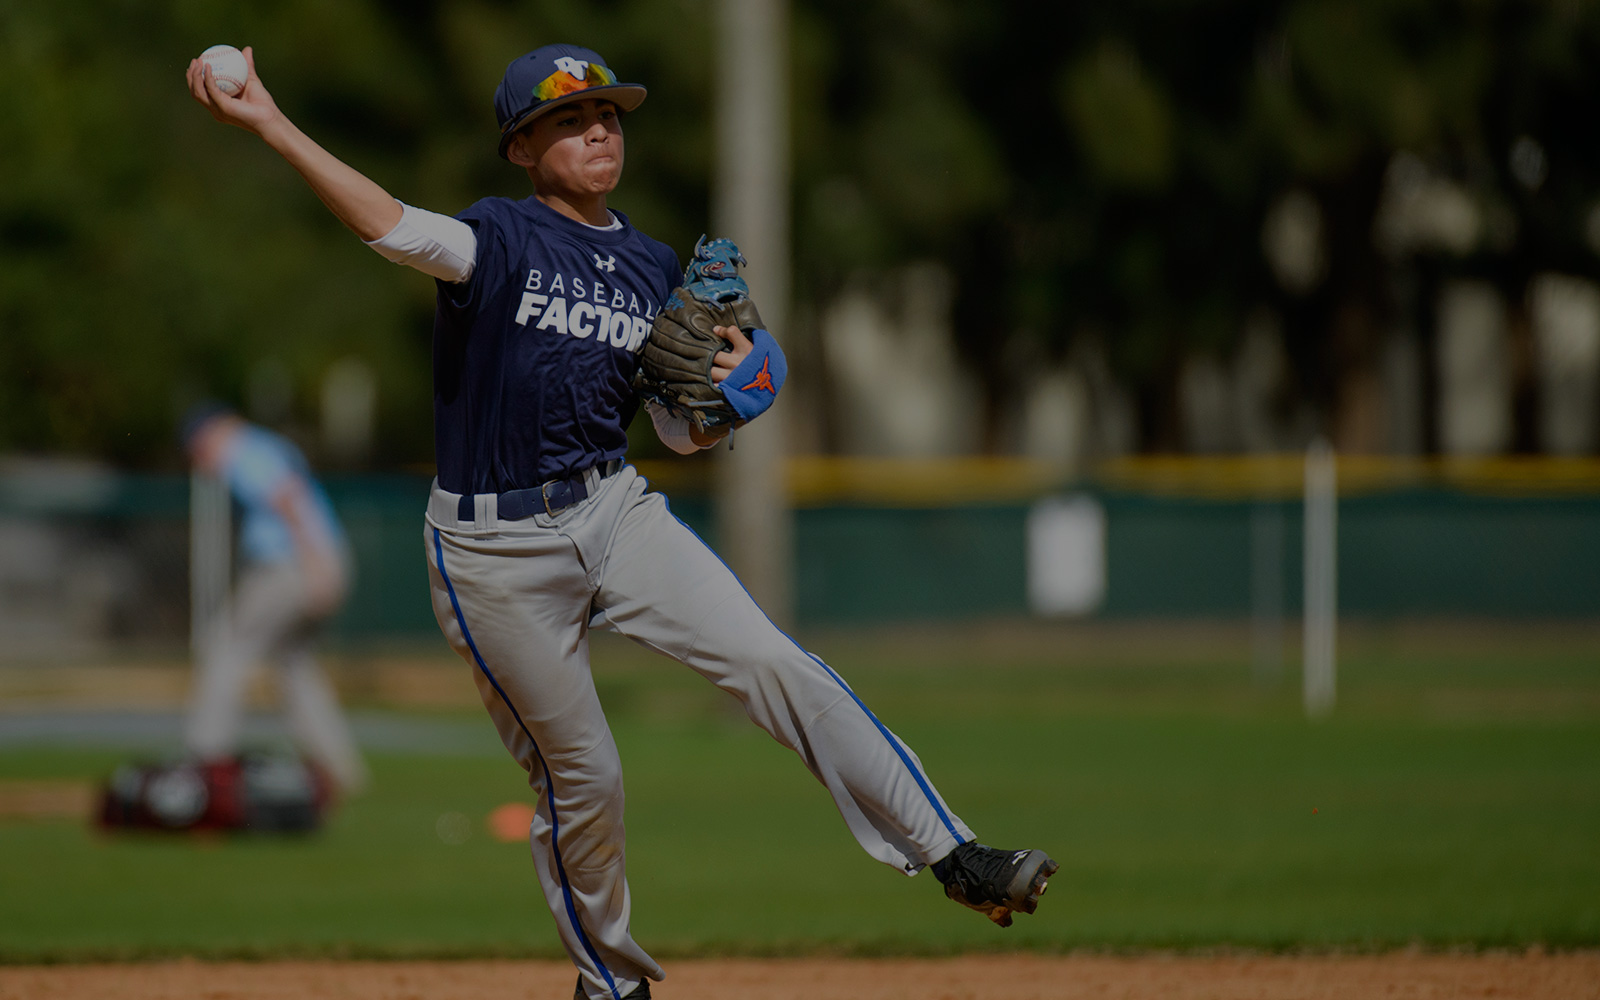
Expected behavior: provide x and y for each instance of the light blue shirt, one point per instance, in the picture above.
(257, 465)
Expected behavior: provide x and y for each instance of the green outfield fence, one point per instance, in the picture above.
(1445, 549)
(886, 541)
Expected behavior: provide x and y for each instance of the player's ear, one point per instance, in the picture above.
(518, 152)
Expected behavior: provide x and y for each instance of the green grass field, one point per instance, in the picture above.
(1452, 799)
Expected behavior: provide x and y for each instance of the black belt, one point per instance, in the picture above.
(557, 494)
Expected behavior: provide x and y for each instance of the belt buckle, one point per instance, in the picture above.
(544, 494)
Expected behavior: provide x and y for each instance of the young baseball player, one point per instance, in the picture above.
(295, 574)
(537, 531)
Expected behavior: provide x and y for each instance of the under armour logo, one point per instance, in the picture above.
(609, 264)
(578, 69)
(763, 379)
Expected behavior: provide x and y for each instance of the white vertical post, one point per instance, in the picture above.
(750, 205)
(210, 556)
(1321, 578)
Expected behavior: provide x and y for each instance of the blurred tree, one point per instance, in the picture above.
(1088, 173)
(149, 255)
(1140, 149)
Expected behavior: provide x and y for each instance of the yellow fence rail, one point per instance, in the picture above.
(823, 480)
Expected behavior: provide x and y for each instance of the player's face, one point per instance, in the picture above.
(205, 448)
(577, 148)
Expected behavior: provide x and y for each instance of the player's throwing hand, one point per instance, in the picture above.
(251, 110)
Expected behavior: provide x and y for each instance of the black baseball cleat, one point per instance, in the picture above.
(995, 883)
(640, 992)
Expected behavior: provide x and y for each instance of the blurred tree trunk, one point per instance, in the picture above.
(750, 204)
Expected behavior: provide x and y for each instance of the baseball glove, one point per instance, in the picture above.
(675, 367)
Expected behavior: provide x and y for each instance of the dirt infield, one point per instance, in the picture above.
(1012, 977)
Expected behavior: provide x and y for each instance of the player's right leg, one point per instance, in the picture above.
(664, 588)
(513, 600)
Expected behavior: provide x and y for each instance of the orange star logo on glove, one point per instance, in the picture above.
(763, 379)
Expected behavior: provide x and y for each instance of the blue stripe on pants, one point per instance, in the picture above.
(899, 749)
(549, 786)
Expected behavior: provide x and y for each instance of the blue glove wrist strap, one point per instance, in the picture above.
(754, 384)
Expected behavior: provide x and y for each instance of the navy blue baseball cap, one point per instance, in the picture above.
(551, 76)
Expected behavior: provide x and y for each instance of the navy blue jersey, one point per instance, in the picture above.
(534, 354)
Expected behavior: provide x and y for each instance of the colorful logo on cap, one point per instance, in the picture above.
(571, 76)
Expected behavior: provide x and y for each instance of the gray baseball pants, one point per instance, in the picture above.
(269, 619)
(516, 599)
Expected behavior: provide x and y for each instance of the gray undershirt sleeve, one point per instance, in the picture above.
(436, 245)
(672, 430)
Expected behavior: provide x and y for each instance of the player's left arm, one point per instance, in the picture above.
(709, 361)
(727, 362)
(751, 372)
(722, 366)
(675, 431)
(316, 553)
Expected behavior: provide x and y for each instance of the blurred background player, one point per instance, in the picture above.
(295, 573)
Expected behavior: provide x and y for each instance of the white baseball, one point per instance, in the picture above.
(228, 68)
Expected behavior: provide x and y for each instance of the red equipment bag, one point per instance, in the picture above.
(270, 793)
